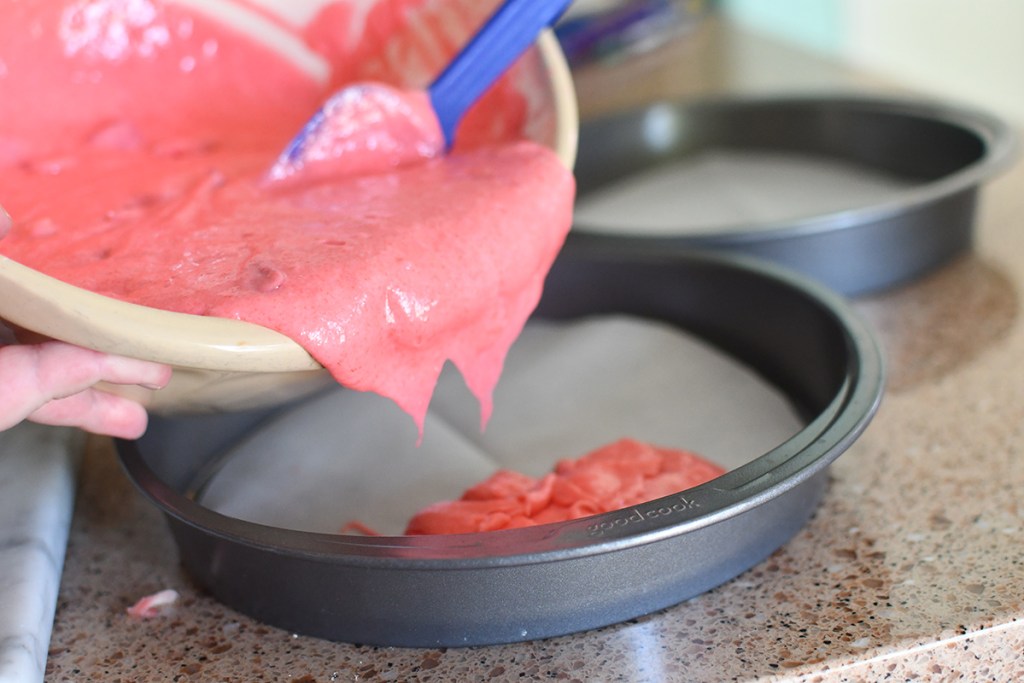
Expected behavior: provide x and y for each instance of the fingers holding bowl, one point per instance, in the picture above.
(54, 383)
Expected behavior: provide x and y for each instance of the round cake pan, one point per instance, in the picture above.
(860, 193)
(521, 584)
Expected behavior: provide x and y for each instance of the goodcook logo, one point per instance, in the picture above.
(636, 515)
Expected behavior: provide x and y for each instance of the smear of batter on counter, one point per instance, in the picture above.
(154, 605)
(135, 141)
(621, 474)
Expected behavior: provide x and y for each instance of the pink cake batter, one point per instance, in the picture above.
(136, 138)
(619, 475)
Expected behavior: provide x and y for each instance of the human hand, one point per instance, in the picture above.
(53, 383)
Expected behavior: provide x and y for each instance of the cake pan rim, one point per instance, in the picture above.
(1001, 147)
(862, 387)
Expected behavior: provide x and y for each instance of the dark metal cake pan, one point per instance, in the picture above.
(520, 584)
(934, 157)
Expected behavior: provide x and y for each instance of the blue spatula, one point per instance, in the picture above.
(505, 35)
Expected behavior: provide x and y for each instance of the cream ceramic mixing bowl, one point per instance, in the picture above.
(222, 364)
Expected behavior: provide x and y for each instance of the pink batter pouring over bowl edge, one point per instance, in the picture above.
(158, 168)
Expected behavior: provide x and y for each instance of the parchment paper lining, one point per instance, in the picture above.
(566, 389)
(718, 190)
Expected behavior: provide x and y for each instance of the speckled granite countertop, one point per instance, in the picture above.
(909, 570)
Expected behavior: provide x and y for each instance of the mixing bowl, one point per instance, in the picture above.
(223, 364)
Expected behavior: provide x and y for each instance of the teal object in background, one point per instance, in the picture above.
(814, 24)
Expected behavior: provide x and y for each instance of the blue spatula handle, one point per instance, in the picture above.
(506, 35)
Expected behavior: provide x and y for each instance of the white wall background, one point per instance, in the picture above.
(968, 50)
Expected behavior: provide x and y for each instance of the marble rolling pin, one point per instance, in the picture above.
(37, 488)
